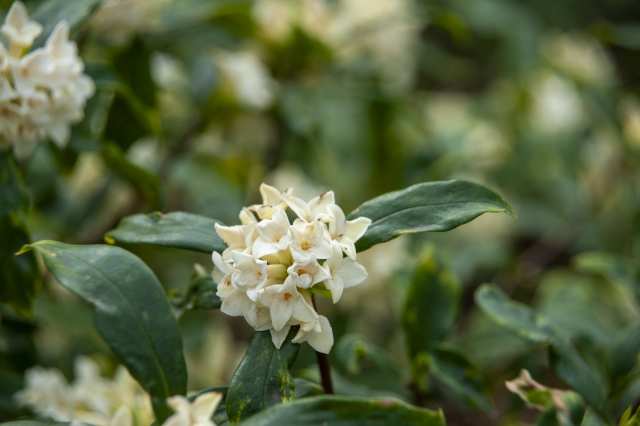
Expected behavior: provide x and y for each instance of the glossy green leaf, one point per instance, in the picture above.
(460, 378)
(426, 207)
(51, 12)
(200, 292)
(345, 411)
(432, 304)
(351, 349)
(131, 312)
(176, 229)
(628, 419)
(564, 359)
(305, 388)
(147, 183)
(623, 355)
(19, 275)
(611, 266)
(263, 377)
(33, 423)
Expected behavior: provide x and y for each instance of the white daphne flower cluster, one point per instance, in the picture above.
(43, 92)
(272, 266)
(92, 399)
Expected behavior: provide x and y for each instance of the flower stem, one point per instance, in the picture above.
(323, 364)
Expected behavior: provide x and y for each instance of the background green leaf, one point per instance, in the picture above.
(176, 229)
(426, 207)
(345, 411)
(51, 12)
(564, 359)
(613, 267)
(132, 313)
(19, 275)
(200, 292)
(624, 353)
(263, 377)
(460, 378)
(431, 305)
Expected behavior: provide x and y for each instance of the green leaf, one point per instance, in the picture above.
(147, 183)
(305, 388)
(623, 355)
(613, 267)
(351, 349)
(131, 312)
(51, 12)
(564, 359)
(176, 229)
(426, 207)
(432, 304)
(628, 420)
(33, 423)
(19, 275)
(263, 377)
(200, 293)
(452, 368)
(345, 411)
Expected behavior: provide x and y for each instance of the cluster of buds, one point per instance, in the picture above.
(271, 266)
(43, 92)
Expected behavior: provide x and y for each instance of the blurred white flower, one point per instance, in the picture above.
(43, 93)
(47, 393)
(247, 78)
(196, 413)
(119, 21)
(557, 105)
(580, 57)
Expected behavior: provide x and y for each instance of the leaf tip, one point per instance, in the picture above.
(109, 240)
(25, 248)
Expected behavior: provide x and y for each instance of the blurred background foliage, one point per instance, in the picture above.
(198, 102)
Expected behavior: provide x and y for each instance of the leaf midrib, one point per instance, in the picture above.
(504, 207)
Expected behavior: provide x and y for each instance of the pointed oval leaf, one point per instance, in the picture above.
(625, 350)
(432, 304)
(177, 229)
(564, 359)
(131, 312)
(345, 411)
(263, 377)
(611, 266)
(426, 207)
(452, 369)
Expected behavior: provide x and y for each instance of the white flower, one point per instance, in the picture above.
(278, 337)
(274, 235)
(224, 282)
(344, 272)
(248, 78)
(47, 393)
(237, 303)
(318, 333)
(310, 241)
(308, 266)
(89, 387)
(233, 237)
(345, 232)
(285, 302)
(272, 201)
(196, 413)
(314, 209)
(18, 28)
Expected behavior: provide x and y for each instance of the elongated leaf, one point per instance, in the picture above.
(426, 207)
(432, 304)
(611, 266)
(33, 423)
(19, 275)
(345, 411)
(53, 11)
(263, 377)
(177, 229)
(624, 353)
(306, 388)
(132, 313)
(565, 361)
(459, 376)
